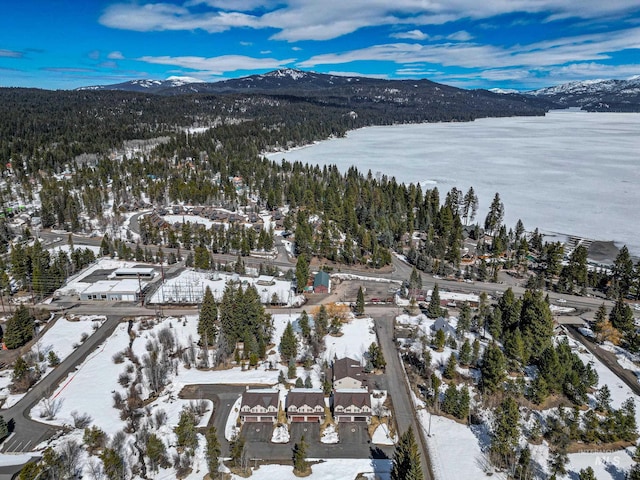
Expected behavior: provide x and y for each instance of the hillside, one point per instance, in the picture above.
(595, 95)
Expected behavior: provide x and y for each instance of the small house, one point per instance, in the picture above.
(259, 406)
(348, 373)
(305, 405)
(322, 283)
(442, 324)
(352, 405)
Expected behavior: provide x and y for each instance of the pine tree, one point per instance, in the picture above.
(406, 459)
(587, 474)
(207, 328)
(434, 310)
(299, 383)
(493, 369)
(113, 464)
(288, 344)
(303, 322)
(186, 431)
(302, 272)
(376, 357)
(450, 399)
(493, 221)
(464, 403)
(449, 371)
(440, 340)
(603, 399)
(506, 432)
(19, 328)
(359, 309)
(539, 390)
(300, 464)
(464, 356)
(464, 320)
(621, 316)
(213, 451)
(156, 452)
(536, 323)
(321, 322)
(475, 352)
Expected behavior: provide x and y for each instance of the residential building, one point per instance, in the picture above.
(305, 405)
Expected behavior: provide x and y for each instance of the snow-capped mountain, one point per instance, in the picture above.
(503, 91)
(147, 85)
(600, 95)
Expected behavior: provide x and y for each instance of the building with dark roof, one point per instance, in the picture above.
(259, 406)
(352, 405)
(305, 405)
(348, 373)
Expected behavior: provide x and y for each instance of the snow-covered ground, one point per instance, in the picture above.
(62, 338)
(382, 436)
(330, 434)
(332, 469)
(596, 148)
(357, 336)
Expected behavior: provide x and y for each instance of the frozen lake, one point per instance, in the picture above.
(569, 172)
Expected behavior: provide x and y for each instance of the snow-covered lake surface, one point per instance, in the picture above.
(569, 172)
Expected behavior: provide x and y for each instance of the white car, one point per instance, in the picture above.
(561, 300)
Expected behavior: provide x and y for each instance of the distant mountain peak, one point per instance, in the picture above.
(595, 95)
(177, 80)
(287, 73)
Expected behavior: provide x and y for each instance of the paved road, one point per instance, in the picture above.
(223, 397)
(27, 433)
(399, 389)
(608, 359)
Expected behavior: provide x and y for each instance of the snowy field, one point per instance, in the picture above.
(81, 393)
(333, 469)
(62, 338)
(546, 169)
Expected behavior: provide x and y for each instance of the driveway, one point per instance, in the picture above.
(353, 433)
(258, 431)
(311, 432)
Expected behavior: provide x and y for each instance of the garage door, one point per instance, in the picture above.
(250, 419)
(313, 419)
(359, 419)
(297, 419)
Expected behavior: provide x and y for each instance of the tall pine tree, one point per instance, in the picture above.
(406, 459)
(207, 328)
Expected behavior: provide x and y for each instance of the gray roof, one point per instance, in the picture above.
(348, 368)
(264, 398)
(442, 324)
(305, 396)
(345, 398)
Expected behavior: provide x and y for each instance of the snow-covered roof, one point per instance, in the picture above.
(114, 286)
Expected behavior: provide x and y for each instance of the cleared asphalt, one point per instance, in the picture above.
(28, 433)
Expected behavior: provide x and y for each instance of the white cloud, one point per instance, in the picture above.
(10, 54)
(219, 65)
(161, 16)
(116, 55)
(312, 20)
(411, 35)
(461, 36)
(560, 51)
(358, 74)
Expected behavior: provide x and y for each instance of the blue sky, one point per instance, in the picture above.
(521, 44)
